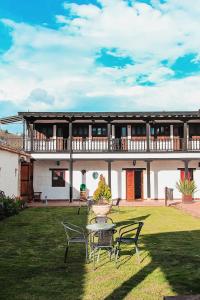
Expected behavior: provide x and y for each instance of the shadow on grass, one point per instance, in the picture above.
(130, 221)
(32, 247)
(177, 255)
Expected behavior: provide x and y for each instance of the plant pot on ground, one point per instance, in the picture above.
(83, 195)
(102, 198)
(187, 188)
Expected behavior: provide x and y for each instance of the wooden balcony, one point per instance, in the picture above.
(99, 145)
(102, 145)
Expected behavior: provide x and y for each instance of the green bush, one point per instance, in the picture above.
(186, 187)
(10, 206)
(103, 191)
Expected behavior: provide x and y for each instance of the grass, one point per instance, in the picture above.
(32, 250)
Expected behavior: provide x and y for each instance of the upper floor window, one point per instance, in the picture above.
(43, 131)
(178, 130)
(99, 130)
(124, 131)
(194, 130)
(160, 130)
(62, 130)
(80, 130)
(138, 130)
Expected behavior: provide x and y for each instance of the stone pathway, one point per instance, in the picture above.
(122, 203)
(192, 209)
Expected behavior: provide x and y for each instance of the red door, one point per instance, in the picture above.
(130, 190)
(190, 174)
(26, 180)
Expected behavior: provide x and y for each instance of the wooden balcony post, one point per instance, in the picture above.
(70, 179)
(148, 135)
(90, 132)
(109, 135)
(109, 173)
(148, 179)
(185, 136)
(70, 163)
(24, 135)
(113, 131)
(32, 136)
(70, 136)
(172, 142)
(186, 163)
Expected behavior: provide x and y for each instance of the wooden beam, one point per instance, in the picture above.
(148, 180)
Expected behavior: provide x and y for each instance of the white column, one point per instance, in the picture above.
(54, 131)
(171, 131)
(90, 132)
(54, 137)
(129, 131)
(89, 143)
(172, 136)
(113, 131)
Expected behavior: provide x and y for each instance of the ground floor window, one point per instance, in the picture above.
(58, 178)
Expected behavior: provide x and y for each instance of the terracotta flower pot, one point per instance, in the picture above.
(101, 209)
(187, 198)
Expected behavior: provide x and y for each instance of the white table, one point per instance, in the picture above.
(100, 226)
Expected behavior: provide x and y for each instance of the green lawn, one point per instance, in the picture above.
(32, 249)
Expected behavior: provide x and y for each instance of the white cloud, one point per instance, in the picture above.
(61, 62)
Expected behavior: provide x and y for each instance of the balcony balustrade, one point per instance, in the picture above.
(100, 145)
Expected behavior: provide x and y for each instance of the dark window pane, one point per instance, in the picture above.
(58, 178)
(124, 130)
(138, 130)
(99, 130)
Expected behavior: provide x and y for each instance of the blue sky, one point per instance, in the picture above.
(103, 55)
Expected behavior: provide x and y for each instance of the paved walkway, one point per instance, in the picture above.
(192, 209)
(123, 203)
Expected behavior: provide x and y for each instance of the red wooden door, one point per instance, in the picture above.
(190, 174)
(130, 189)
(27, 181)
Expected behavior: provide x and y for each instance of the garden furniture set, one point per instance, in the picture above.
(100, 236)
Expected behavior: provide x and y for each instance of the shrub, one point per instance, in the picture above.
(186, 187)
(10, 206)
(103, 191)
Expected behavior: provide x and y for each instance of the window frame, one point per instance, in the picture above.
(63, 177)
(77, 128)
(102, 127)
(142, 132)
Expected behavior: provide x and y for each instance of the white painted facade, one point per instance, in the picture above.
(167, 140)
(163, 173)
(9, 173)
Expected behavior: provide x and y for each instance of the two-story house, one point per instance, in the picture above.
(139, 153)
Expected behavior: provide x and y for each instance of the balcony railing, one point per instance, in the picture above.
(100, 145)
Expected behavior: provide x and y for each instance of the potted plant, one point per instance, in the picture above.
(83, 191)
(187, 187)
(102, 197)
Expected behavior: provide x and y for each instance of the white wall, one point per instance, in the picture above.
(9, 173)
(163, 173)
(100, 167)
(42, 179)
(196, 174)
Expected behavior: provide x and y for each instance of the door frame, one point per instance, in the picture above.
(28, 181)
(130, 170)
(142, 181)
